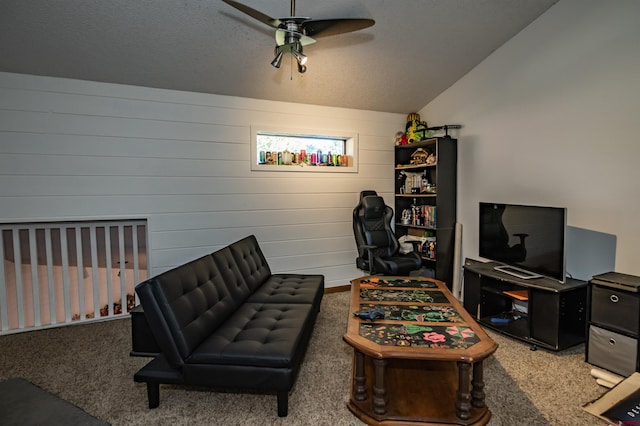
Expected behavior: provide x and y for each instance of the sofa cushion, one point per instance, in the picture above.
(228, 376)
(258, 334)
(234, 280)
(251, 262)
(290, 288)
(186, 305)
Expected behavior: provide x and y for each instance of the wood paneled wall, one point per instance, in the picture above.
(74, 150)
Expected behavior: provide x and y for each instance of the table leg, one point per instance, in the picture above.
(379, 391)
(359, 380)
(477, 392)
(463, 406)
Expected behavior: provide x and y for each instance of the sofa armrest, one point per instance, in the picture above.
(158, 323)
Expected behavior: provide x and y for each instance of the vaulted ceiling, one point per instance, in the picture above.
(415, 50)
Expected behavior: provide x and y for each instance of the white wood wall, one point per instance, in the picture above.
(82, 150)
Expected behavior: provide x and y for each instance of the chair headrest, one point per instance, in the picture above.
(367, 193)
(373, 207)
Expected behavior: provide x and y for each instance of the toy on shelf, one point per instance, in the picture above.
(419, 156)
(416, 130)
(401, 139)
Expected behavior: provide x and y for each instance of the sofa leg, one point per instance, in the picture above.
(153, 394)
(283, 404)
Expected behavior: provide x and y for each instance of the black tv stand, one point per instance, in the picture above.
(540, 311)
(517, 272)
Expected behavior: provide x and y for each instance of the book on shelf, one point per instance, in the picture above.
(518, 294)
(421, 215)
(520, 306)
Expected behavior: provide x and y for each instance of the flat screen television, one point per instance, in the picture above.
(528, 241)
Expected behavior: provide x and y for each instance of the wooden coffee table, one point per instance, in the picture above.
(420, 364)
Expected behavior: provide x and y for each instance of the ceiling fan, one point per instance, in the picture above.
(294, 32)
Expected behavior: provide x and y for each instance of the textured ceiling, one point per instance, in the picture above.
(415, 51)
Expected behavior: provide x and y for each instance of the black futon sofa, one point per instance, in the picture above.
(225, 321)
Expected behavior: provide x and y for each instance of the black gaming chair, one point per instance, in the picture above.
(377, 245)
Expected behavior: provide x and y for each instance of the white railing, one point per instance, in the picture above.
(59, 273)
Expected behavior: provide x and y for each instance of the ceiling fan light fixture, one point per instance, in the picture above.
(278, 59)
(294, 32)
(302, 59)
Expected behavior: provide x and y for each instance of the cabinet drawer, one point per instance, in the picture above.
(614, 308)
(612, 351)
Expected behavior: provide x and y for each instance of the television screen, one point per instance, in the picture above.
(529, 238)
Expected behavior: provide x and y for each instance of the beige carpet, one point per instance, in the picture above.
(89, 365)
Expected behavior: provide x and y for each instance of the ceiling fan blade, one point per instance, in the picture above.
(265, 19)
(331, 27)
(281, 38)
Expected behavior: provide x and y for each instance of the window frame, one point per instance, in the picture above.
(351, 149)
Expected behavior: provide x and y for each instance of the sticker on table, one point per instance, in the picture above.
(435, 337)
(396, 282)
(430, 313)
(416, 296)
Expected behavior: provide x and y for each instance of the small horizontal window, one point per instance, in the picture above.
(309, 151)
